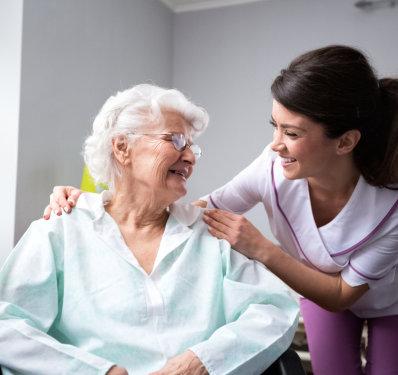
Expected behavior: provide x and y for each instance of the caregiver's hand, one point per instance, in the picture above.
(62, 198)
(200, 203)
(328, 291)
(117, 370)
(238, 231)
(186, 363)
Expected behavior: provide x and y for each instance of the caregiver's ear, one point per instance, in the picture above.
(348, 141)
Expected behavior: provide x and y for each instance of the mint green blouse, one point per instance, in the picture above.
(74, 300)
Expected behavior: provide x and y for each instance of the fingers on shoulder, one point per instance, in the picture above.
(74, 196)
(64, 197)
(59, 196)
(47, 212)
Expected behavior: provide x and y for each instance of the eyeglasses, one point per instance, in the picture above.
(178, 140)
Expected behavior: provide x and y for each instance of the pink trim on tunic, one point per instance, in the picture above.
(370, 235)
(361, 274)
(212, 202)
(287, 220)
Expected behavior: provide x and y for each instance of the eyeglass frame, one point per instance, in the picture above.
(197, 154)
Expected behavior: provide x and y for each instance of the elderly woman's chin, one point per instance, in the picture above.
(176, 185)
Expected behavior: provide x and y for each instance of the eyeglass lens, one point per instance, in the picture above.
(179, 141)
(180, 144)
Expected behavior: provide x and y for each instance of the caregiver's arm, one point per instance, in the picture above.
(65, 197)
(328, 291)
(260, 319)
(31, 295)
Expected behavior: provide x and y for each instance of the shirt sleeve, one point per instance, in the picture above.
(246, 189)
(261, 319)
(30, 300)
(375, 264)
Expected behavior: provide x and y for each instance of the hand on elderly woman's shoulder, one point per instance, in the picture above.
(186, 363)
(116, 370)
(200, 203)
(62, 198)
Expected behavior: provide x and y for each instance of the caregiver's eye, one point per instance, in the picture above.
(290, 134)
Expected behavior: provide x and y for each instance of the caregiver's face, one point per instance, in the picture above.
(304, 149)
(157, 164)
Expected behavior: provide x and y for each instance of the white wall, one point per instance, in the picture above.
(10, 72)
(227, 58)
(75, 55)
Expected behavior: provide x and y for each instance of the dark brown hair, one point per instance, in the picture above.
(336, 87)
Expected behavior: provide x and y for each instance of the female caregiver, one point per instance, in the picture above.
(327, 184)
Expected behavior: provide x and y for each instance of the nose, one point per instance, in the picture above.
(188, 156)
(277, 142)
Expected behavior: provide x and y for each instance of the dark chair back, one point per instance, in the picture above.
(289, 363)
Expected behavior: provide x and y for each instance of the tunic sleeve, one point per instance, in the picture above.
(246, 189)
(31, 284)
(261, 319)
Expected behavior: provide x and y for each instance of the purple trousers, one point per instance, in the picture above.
(334, 342)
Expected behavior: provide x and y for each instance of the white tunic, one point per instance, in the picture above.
(361, 242)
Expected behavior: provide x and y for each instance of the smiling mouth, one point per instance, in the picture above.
(287, 161)
(178, 172)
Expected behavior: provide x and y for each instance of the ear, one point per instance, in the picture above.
(121, 149)
(348, 141)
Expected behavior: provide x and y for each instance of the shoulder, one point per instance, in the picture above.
(190, 217)
(381, 204)
(58, 225)
(186, 213)
(42, 240)
(368, 221)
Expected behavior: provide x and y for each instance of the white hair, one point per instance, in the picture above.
(128, 111)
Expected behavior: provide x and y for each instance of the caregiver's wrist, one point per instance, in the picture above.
(268, 253)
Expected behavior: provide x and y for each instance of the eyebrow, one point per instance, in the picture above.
(288, 126)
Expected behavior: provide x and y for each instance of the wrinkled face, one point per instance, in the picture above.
(302, 145)
(157, 166)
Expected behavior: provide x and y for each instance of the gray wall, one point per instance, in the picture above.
(75, 54)
(227, 58)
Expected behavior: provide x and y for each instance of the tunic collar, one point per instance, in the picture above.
(365, 213)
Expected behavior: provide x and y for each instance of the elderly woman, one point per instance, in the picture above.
(133, 282)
